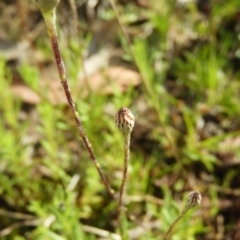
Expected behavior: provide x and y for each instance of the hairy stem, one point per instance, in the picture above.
(168, 233)
(125, 170)
(50, 20)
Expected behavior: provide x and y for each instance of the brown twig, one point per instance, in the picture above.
(16, 215)
(122, 27)
(28, 223)
(50, 20)
(100, 232)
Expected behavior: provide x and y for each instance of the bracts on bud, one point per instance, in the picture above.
(194, 199)
(124, 120)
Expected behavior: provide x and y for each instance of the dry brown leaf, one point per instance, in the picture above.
(143, 3)
(107, 80)
(50, 90)
(230, 143)
(227, 151)
(25, 94)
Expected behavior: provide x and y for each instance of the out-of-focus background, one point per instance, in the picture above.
(176, 66)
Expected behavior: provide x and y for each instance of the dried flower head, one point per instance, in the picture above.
(124, 120)
(194, 199)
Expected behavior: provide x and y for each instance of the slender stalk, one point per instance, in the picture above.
(124, 121)
(122, 27)
(125, 171)
(50, 20)
(168, 233)
(73, 7)
(194, 199)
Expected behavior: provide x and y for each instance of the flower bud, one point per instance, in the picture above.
(124, 120)
(194, 199)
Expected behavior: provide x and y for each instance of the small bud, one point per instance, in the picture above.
(124, 120)
(46, 5)
(194, 199)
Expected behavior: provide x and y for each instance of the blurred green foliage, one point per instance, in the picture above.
(189, 65)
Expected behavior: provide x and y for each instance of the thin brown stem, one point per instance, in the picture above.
(28, 223)
(122, 27)
(168, 233)
(73, 7)
(101, 233)
(50, 20)
(16, 215)
(125, 171)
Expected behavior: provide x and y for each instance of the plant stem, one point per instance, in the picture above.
(168, 233)
(123, 28)
(50, 20)
(125, 171)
